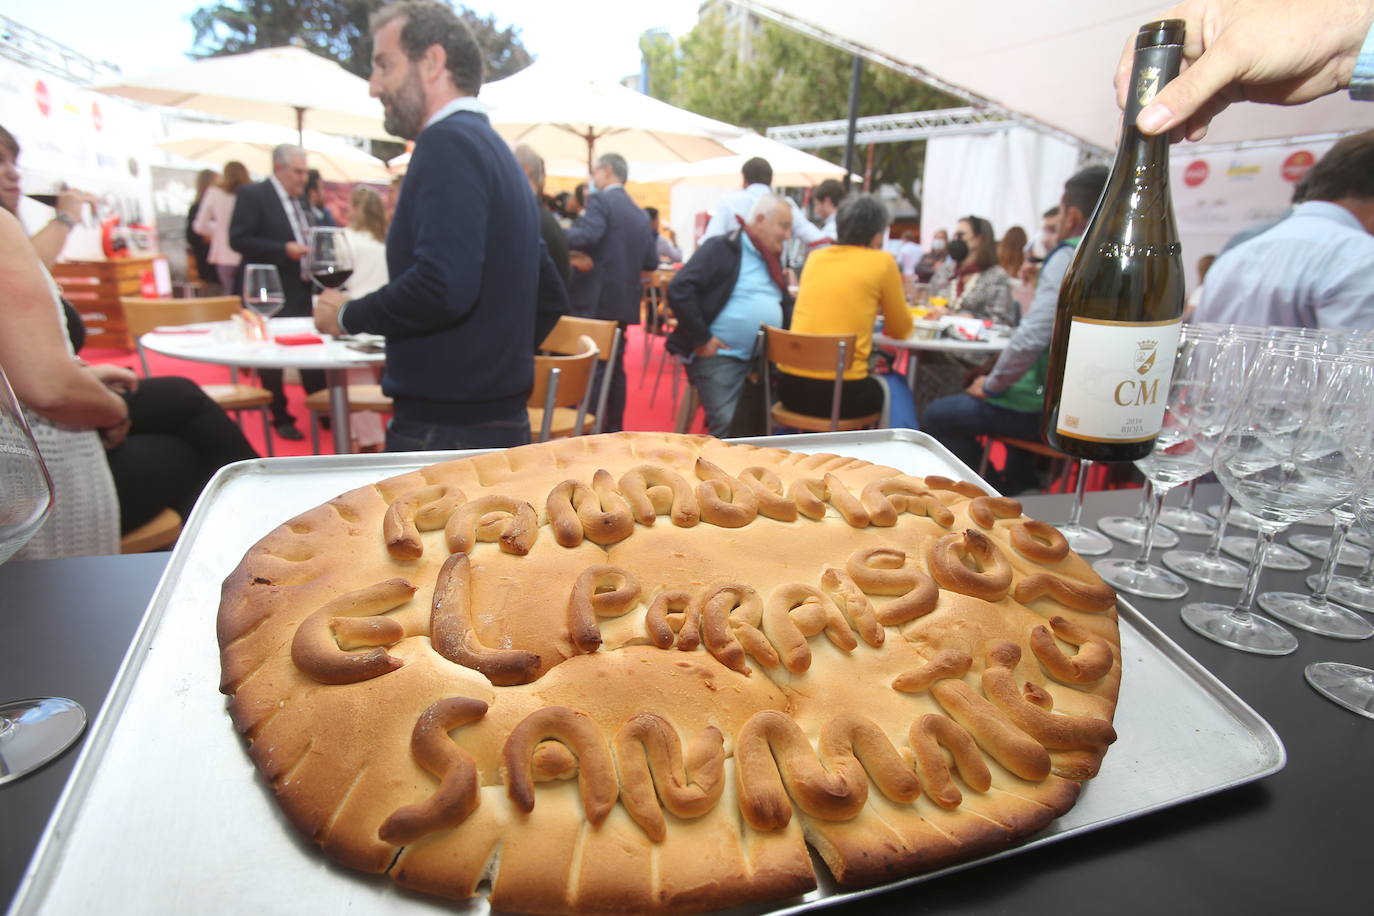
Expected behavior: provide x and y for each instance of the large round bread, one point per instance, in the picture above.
(643, 672)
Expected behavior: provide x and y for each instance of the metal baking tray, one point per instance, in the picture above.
(165, 813)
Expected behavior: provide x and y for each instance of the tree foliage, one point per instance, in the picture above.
(783, 77)
(334, 29)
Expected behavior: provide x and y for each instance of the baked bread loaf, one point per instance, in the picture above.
(644, 672)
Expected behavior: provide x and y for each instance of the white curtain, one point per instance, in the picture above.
(1009, 178)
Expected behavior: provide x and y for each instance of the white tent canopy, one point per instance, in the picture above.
(289, 87)
(1052, 61)
(251, 143)
(792, 168)
(566, 115)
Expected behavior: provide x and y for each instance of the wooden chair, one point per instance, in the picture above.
(360, 397)
(827, 353)
(143, 315)
(562, 386)
(159, 532)
(567, 339)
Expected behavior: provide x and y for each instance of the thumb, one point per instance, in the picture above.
(1186, 95)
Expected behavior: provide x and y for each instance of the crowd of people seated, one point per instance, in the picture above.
(476, 265)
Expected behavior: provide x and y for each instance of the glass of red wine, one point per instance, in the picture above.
(331, 259)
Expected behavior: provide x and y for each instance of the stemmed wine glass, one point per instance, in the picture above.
(1350, 686)
(1185, 517)
(1182, 452)
(1291, 450)
(1131, 528)
(1354, 552)
(1315, 612)
(1209, 566)
(330, 260)
(1352, 591)
(1084, 541)
(33, 731)
(262, 292)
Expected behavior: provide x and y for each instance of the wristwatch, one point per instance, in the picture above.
(65, 219)
(1362, 80)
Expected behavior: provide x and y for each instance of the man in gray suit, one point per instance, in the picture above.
(614, 233)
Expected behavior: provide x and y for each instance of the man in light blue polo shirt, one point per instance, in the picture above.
(733, 284)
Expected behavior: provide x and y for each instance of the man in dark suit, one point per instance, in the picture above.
(614, 233)
(271, 226)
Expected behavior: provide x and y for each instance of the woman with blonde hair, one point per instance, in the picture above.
(212, 223)
(366, 233)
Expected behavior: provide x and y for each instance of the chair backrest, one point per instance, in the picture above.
(812, 352)
(563, 381)
(565, 338)
(827, 353)
(142, 315)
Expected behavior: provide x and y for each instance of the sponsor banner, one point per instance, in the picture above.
(74, 136)
(1223, 193)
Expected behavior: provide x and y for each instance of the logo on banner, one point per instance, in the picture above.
(41, 97)
(1296, 165)
(1242, 172)
(97, 119)
(1195, 174)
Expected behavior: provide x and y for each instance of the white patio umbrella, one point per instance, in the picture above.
(289, 87)
(792, 168)
(564, 115)
(252, 142)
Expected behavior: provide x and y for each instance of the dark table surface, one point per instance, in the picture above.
(1299, 841)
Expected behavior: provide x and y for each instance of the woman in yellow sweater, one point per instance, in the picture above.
(843, 287)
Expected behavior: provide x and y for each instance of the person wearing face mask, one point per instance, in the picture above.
(972, 280)
(1005, 397)
(934, 256)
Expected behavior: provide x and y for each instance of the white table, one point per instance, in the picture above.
(218, 345)
(937, 345)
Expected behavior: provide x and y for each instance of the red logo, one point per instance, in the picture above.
(1296, 165)
(1195, 174)
(97, 118)
(40, 95)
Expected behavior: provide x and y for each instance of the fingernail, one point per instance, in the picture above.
(1153, 118)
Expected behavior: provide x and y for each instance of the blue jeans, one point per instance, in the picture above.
(957, 421)
(718, 381)
(412, 436)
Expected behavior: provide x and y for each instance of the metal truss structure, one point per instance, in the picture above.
(21, 43)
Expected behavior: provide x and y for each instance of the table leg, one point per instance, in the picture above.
(911, 369)
(338, 410)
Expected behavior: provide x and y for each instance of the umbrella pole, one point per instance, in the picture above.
(300, 126)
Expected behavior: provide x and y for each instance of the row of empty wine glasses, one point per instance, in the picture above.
(1287, 417)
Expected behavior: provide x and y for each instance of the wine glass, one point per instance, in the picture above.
(1182, 452)
(1209, 566)
(1315, 612)
(1350, 686)
(1084, 541)
(1185, 517)
(33, 731)
(1290, 451)
(330, 261)
(1352, 552)
(1131, 528)
(1352, 591)
(262, 293)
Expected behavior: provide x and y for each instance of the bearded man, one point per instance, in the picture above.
(472, 289)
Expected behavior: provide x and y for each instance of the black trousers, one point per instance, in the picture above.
(858, 397)
(311, 379)
(178, 439)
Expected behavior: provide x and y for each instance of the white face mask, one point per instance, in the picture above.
(937, 244)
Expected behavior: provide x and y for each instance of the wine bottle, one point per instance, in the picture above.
(1121, 302)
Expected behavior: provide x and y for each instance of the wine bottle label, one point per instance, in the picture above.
(1116, 379)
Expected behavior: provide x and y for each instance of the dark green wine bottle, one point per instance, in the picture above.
(1121, 303)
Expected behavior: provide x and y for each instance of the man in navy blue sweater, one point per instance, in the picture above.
(472, 288)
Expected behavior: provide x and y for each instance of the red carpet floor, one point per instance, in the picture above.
(645, 408)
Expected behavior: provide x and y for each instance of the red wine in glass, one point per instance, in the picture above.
(331, 277)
